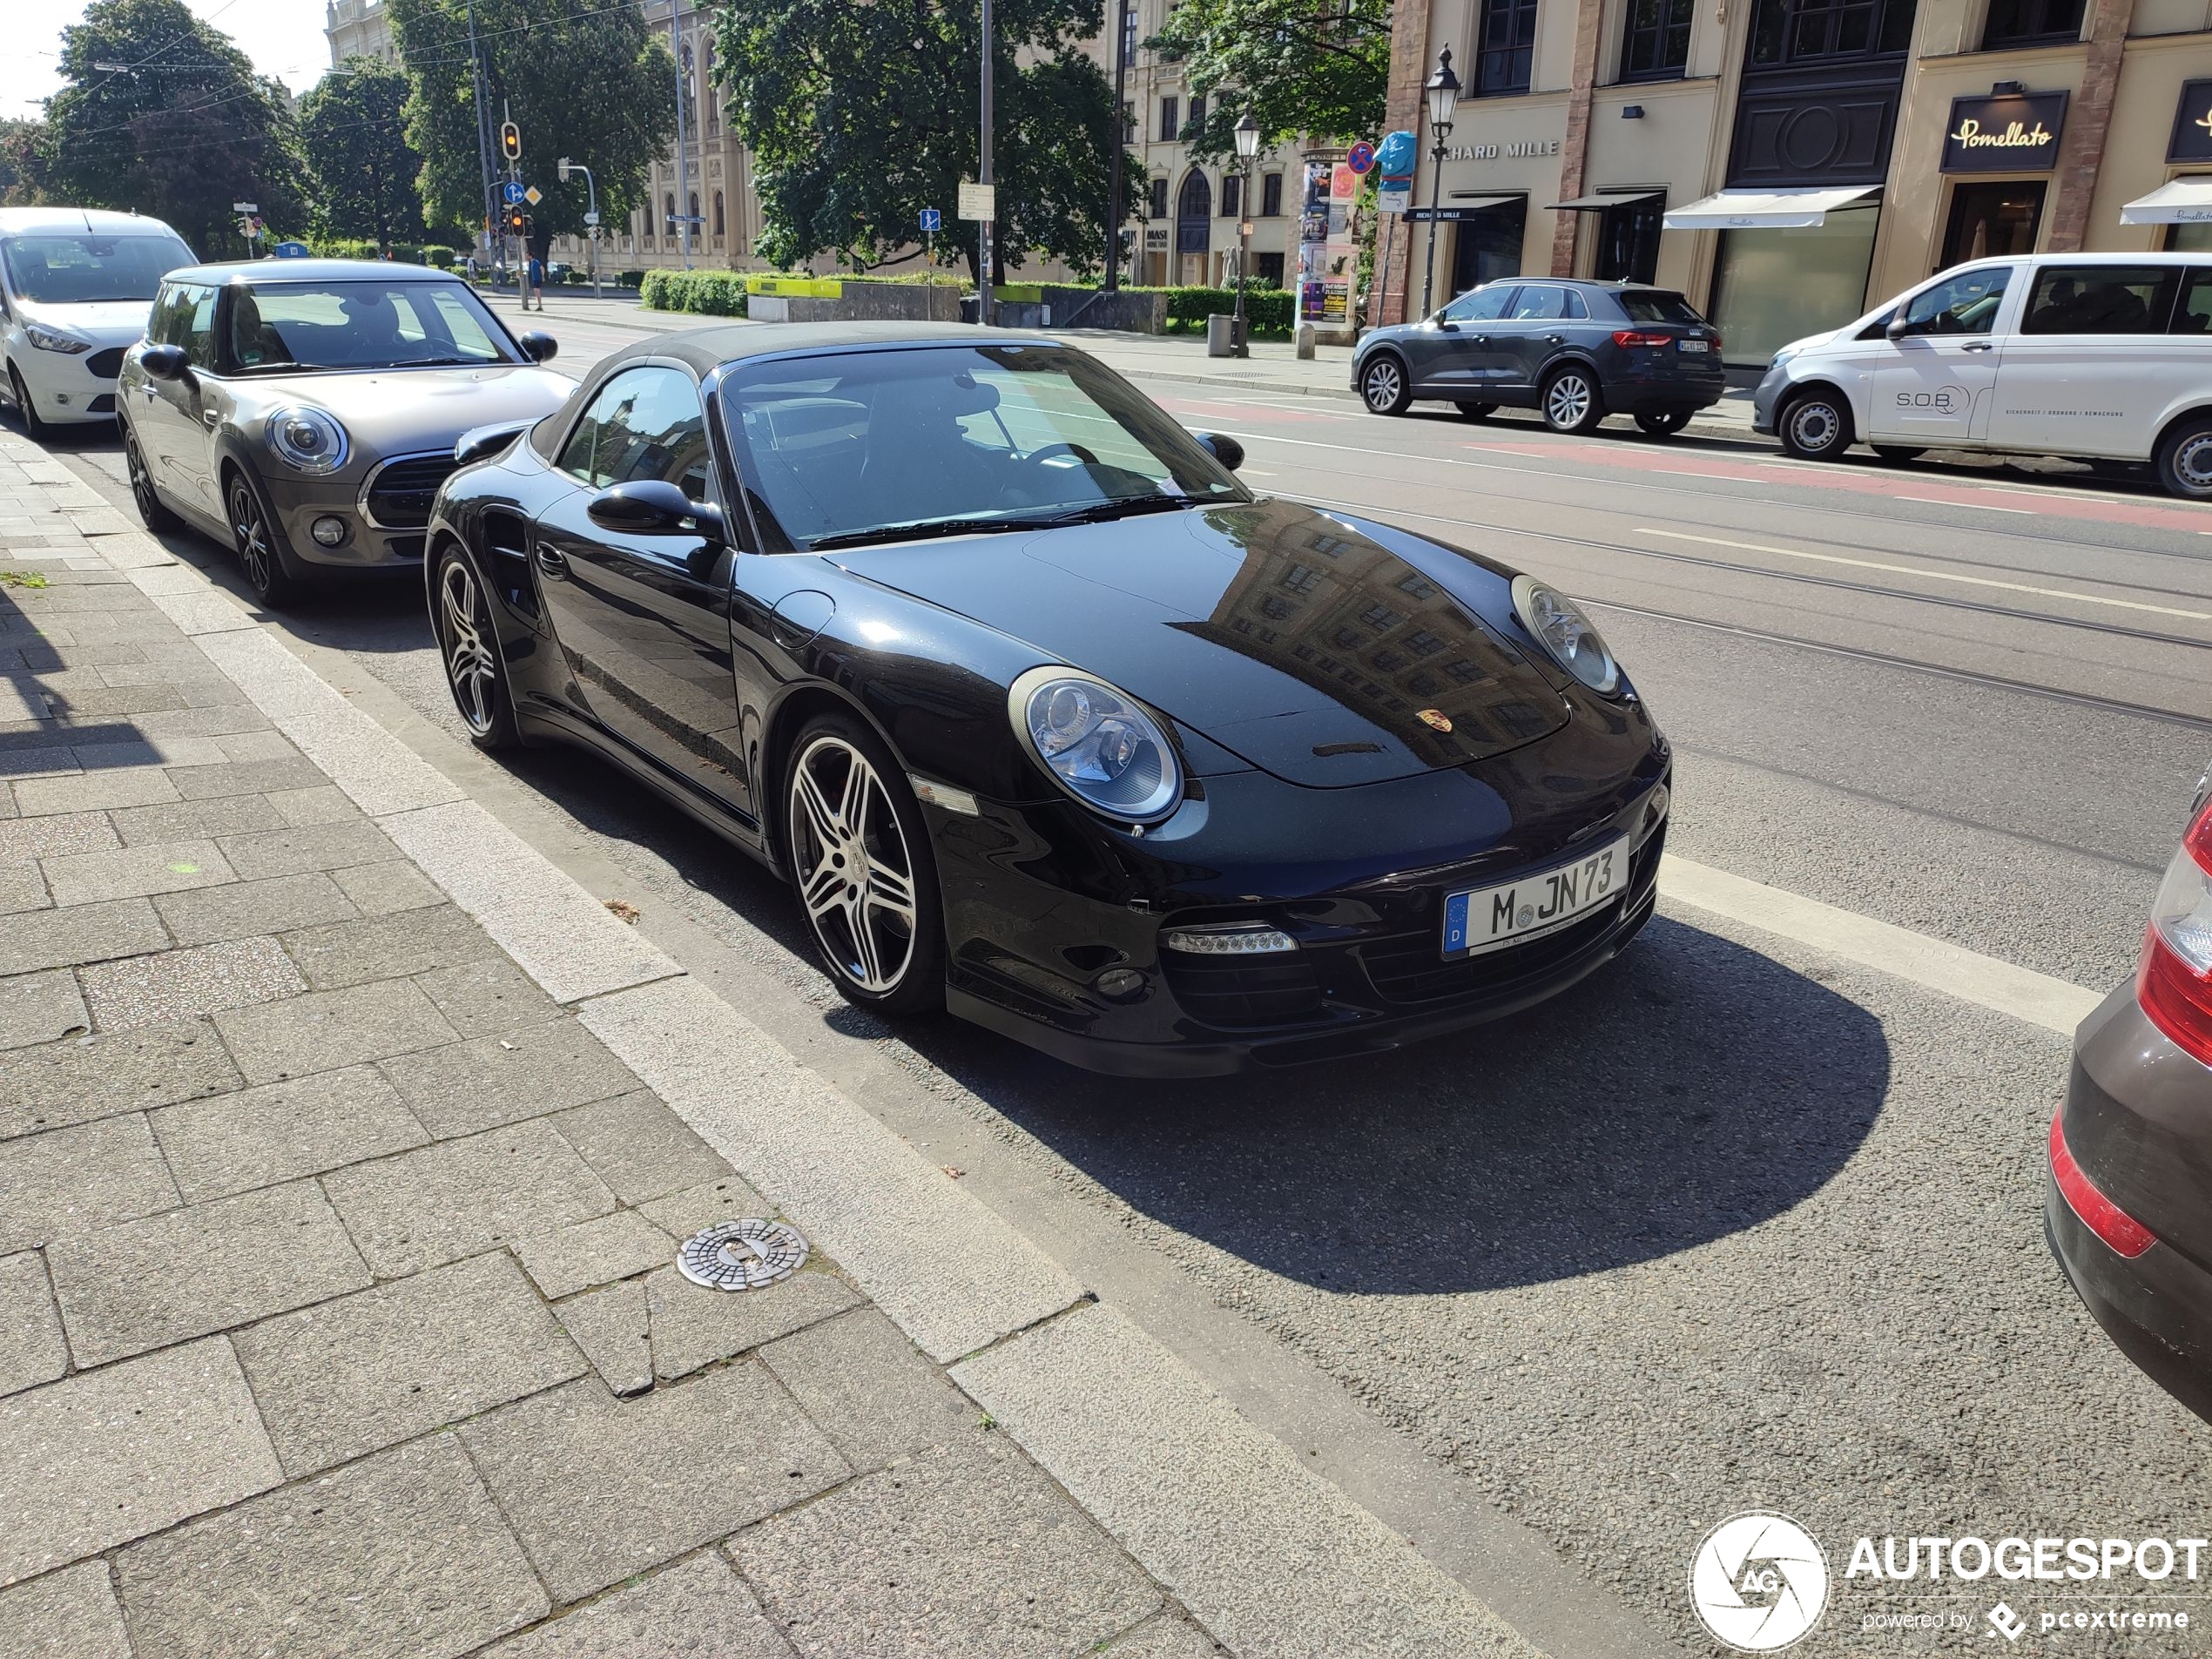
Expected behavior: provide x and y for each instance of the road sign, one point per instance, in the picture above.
(979, 201)
(533, 195)
(931, 220)
(591, 219)
(511, 191)
(1361, 157)
(246, 207)
(510, 141)
(1394, 196)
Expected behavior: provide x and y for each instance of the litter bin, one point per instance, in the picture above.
(1221, 335)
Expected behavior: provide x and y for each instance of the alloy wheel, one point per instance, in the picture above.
(149, 505)
(1384, 386)
(1566, 401)
(251, 535)
(855, 871)
(462, 622)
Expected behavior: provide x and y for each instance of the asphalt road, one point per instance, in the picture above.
(1734, 1224)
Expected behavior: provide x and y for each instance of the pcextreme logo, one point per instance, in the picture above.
(1759, 1582)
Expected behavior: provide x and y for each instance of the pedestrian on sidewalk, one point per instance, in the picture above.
(535, 293)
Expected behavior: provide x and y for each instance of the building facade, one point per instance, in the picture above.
(1787, 164)
(358, 28)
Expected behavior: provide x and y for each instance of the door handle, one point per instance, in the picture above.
(552, 562)
(213, 418)
(1978, 345)
(1556, 340)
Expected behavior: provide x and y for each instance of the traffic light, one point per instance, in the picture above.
(517, 222)
(510, 141)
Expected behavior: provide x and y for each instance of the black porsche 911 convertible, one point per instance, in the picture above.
(1044, 715)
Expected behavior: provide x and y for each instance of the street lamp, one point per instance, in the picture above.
(1443, 94)
(1247, 148)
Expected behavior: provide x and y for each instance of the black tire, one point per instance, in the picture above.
(262, 558)
(1816, 425)
(1476, 411)
(893, 906)
(1570, 401)
(1898, 455)
(2185, 459)
(1664, 424)
(1384, 386)
(152, 513)
(469, 647)
(33, 426)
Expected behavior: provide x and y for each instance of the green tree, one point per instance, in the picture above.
(581, 78)
(859, 116)
(19, 162)
(180, 132)
(1300, 68)
(353, 127)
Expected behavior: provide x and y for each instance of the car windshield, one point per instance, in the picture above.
(283, 328)
(848, 448)
(1650, 304)
(57, 269)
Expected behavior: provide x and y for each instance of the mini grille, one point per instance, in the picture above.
(400, 496)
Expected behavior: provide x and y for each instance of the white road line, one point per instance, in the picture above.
(1931, 575)
(1987, 507)
(2037, 999)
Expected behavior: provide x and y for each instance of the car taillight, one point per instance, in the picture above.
(2175, 982)
(2121, 1232)
(1638, 337)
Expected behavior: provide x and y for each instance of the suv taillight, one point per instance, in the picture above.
(1638, 337)
(2175, 982)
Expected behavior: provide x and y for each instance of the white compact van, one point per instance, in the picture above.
(2107, 357)
(76, 286)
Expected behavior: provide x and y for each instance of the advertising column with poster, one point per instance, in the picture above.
(1326, 257)
(1313, 240)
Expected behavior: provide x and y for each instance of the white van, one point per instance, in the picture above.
(2107, 357)
(76, 285)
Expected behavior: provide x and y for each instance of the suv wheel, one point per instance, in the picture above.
(1382, 384)
(2185, 460)
(1664, 424)
(1570, 401)
(1816, 426)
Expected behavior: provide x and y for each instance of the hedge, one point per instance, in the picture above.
(709, 294)
(629, 279)
(1269, 311)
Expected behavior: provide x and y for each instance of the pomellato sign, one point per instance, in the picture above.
(2192, 139)
(2014, 133)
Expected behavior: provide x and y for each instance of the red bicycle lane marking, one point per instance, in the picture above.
(1918, 487)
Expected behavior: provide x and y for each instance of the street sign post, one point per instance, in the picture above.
(1360, 157)
(511, 191)
(979, 202)
(533, 195)
(931, 222)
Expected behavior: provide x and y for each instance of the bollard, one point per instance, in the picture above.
(1306, 343)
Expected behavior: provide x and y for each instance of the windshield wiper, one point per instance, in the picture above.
(914, 532)
(1125, 506)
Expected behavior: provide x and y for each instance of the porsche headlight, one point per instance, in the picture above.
(54, 340)
(1570, 636)
(307, 439)
(1097, 743)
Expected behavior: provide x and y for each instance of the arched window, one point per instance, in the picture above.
(1194, 208)
(717, 214)
(694, 199)
(672, 210)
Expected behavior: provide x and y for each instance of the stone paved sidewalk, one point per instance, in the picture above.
(337, 1309)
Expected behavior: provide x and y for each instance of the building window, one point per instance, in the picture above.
(2027, 22)
(718, 214)
(1157, 207)
(1232, 195)
(1128, 123)
(692, 223)
(1796, 31)
(1271, 195)
(1198, 115)
(671, 199)
(1505, 45)
(1657, 43)
(1268, 268)
(1170, 119)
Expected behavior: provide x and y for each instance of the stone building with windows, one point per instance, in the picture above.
(358, 28)
(1788, 163)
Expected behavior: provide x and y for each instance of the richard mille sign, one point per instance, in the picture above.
(1512, 150)
(2010, 133)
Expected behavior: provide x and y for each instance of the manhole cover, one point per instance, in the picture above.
(741, 1255)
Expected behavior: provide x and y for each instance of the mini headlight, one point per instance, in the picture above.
(1097, 743)
(307, 439)
(1570, 636)
(54, 340)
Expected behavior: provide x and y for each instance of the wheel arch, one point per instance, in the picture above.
(1821, 383)
(787, 716)
(2195, 409)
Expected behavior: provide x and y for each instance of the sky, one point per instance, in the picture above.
(283, 38)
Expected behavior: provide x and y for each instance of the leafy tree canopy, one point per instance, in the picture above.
(180, 132)
(859, 116)
(19, 162)
(582, 79)
(1300, 68)
(353, 126)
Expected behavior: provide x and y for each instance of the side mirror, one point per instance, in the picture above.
(1899, 328)
(538, 346)
(655, 506)
(1447, 324)
(163, 362)
(1225, 448)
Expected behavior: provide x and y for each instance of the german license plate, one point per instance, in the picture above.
(1694, 345)
(1490, 918)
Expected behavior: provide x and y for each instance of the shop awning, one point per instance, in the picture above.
(1615, 198)
(1480, 199)
(1767, 210)
(2182, 201)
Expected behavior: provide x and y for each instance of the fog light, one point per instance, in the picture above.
(1245, 938)
(329, 531)
(1120, 983)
